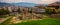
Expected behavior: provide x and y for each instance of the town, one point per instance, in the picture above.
(18, 13)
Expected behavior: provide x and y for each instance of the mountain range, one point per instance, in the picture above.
(19, 4)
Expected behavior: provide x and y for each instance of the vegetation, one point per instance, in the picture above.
(51, 10)
(19, 11)
(41, 22)
(4, 12)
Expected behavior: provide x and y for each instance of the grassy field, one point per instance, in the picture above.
(48, 21)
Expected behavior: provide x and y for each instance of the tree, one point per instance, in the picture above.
(19, 11)
(51, 10)
(4, 12)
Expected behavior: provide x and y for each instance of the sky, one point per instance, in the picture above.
(30, 1)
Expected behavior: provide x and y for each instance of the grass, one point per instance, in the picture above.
(48, 21)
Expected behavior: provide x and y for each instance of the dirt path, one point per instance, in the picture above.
(3, 19)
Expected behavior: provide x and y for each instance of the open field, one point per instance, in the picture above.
(48, 21)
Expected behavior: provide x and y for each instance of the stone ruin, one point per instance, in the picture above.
(55, 16)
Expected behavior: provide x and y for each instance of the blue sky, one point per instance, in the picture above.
(30, 1)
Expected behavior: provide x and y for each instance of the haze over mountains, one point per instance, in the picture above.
(20, 4)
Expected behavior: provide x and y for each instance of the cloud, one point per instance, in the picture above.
(30, 1)
(9, 1)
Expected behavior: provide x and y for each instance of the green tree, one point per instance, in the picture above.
(4, 12)
(51, 10)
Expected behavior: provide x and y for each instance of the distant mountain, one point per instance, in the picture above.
(18, 4)
(25, 4)
(4, 4)
(42, 5)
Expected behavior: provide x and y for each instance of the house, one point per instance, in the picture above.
(39, 9)
(56, 5)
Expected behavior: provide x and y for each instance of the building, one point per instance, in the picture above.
(39, 9)
(56, 5)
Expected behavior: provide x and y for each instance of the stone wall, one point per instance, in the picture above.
(55, 15)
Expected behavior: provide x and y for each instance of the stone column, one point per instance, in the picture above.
(25, 12)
